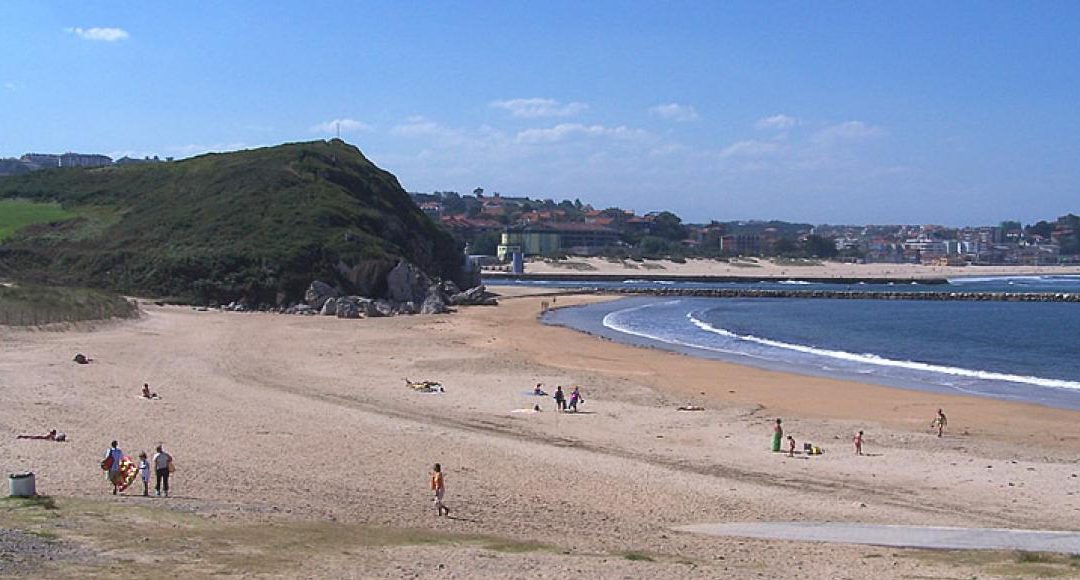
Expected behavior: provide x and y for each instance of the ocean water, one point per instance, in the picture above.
(1027, 351)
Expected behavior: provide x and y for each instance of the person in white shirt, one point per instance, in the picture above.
(162, 464)
(144, 473)
(114, 456)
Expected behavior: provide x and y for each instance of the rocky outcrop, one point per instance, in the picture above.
(318, 293)
(348, 307)
(478, 296)
(434, 303)
(406, 283)
(330, 307)
(408, 290)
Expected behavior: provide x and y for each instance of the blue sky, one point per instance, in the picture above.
(825, 112)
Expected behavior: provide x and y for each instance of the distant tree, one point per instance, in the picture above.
(486, 243)
(820, 246)
(577, 204)
(785, 247)
(654, 246)
(1010, 225)
(453, 202)
(668, 226)
(1042, 228)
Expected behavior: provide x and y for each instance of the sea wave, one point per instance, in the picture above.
(1043, 279)
(872, 359)
(795, 282)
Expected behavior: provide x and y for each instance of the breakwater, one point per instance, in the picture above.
(846, 294)
(491, 277)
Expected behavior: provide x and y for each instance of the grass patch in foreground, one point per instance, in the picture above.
(637, 557)
(192, 545)
(16, 214)
(1011, 564)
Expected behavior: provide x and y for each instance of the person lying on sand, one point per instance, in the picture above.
(82, 359)
(52, 435)
(691, 408)
(146, 392)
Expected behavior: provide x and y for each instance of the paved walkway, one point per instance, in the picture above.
(900, 536)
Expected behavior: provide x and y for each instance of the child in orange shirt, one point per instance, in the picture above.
(439, 487)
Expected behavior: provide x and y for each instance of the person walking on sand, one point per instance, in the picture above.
(113, 457)
(438, 486)
(575, 398)
(791, 446)
(777, 436)
(144, 473)
(560, 399)
(162, 467)
(858, 443)
(940, 422)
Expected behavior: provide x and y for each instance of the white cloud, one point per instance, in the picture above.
(777, 122)
(749, 149)
(99, 34)
(538, 107)
(196, 149)
(343, 125)
(564, 131)
(847, 131)
(675, 112)
(11, 86)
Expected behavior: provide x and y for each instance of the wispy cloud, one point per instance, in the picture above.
(565, 131)
(539, 107)
(777, 122)
(847, 131)
(11, 86)
(197, 149)
(344, 125)
(750, 148)
(99, 34)
(675, 112)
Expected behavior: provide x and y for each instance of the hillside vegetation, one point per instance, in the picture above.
(38, 305)
(258, 225)
(17, 214)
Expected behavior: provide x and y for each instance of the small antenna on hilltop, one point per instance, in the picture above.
(337, 127)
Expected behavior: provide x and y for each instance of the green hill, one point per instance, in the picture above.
(258, 224)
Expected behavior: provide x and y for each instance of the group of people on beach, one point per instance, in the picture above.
(939, 423)
(561, 403)
(116, 464)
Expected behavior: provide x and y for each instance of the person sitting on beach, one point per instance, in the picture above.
(791, 446)
(52, 435)
(575, 398)
(940, 422)
(538, 390)
(560, 399)
(146, 392)
(858, 443)
(82, 359)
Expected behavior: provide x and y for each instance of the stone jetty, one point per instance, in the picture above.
(848, 294)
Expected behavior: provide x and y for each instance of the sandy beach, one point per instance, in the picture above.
(764, 268)
(301, 427)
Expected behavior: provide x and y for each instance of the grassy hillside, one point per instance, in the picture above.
(37, 305)
(257, 224)
(17, 214)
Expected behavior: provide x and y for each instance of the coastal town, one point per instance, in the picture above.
(497, 225)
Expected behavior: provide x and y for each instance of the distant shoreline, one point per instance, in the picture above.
(762, 270)
(496, 277)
